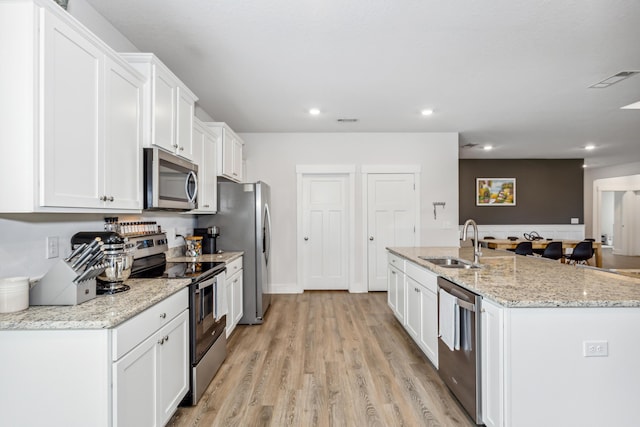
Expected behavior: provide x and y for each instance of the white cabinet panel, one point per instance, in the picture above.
(72, 169)
(492, 364)
(81, 150)
(173, 372)
(230, 152)
(123, 145)
(204, 155)
(163, 107)
(168, 106)
(233, 286)
(413, 319)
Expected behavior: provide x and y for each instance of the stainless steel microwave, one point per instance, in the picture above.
(170, 182)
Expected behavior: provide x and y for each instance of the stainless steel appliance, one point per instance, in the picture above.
(170, 182)
(209, 238)
(459, 367)
(244, 216)
(207, 313)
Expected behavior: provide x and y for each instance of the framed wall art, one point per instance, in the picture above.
(495, 191)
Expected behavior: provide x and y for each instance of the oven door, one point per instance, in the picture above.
(205, 328)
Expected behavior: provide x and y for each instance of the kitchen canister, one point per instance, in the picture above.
(14, 294)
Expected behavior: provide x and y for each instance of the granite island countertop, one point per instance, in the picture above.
(524, 281)
(103, 311)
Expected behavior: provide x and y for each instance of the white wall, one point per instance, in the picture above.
(592, 174)
(606, 213)
(23, 241)
(272, 158)
(97, 24)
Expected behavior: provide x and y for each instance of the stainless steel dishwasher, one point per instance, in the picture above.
(460, 368)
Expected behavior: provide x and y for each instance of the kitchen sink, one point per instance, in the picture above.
(449, 262)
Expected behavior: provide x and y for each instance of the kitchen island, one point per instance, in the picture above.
(559, 343)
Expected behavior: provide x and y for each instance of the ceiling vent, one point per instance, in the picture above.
(469, 145)
(622, 75)
(347, 120)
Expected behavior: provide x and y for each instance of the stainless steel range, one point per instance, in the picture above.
(207, 311)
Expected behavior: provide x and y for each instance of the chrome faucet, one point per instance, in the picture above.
(476, 239)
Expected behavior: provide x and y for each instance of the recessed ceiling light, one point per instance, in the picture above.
(634, 106)
(426, 112)
(314, 111)
(589, 147)
(488, 147)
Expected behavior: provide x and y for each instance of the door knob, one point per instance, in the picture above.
(306, 238)
(371, 238)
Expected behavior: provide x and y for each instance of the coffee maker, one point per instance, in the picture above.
(209, 237)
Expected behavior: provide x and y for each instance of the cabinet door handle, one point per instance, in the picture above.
(393, 272)
(111, 199)
(166, 338)
(174, 145)
(103, 198)
(163, 315)
(181, 148)
(206, 206)
(416, 289)
(306, 238)
(161, 341)
(371, 238)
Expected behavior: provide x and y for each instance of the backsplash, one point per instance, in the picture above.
(23, 242)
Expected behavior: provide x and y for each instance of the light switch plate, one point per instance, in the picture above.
(53, 247)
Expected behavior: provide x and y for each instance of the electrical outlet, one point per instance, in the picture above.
(53, 247)
(596, 348)
(575, 220)
(171, 234)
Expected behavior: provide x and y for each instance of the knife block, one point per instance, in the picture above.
(57, 287)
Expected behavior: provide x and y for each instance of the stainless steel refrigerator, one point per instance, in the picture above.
(245, 225)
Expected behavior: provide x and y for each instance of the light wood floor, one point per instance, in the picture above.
(325, 359)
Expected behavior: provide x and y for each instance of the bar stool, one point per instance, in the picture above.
(524, 248)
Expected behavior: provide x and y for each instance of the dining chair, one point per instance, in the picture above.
(553, 250)
(524, 248)
(582, 252)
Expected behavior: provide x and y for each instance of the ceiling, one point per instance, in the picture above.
(511, 73)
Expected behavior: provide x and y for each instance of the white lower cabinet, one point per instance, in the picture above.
(134, 374)
(413, 297)
(492, 363)
(150, 380)
(233, 285)
(396, 287)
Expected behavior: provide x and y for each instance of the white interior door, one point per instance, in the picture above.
(325, 231)
(391, 221)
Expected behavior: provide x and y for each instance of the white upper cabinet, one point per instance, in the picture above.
(204, 155)
(230, 150)
(168, 106)
(73, 116)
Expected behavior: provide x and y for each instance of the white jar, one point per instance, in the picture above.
(14, 294)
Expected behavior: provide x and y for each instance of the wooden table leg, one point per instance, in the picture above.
(598, 254)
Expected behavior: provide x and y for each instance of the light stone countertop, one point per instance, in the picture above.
(524, 281)
(103, 311)
(225, 257)
(106, 311)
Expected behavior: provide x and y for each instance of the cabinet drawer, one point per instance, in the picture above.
(135, 330)
(422, 276)
(234, 266)
(396, 261)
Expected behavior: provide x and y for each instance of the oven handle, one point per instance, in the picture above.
(198, 288)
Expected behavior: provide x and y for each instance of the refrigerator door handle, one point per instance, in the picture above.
(266, 234)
